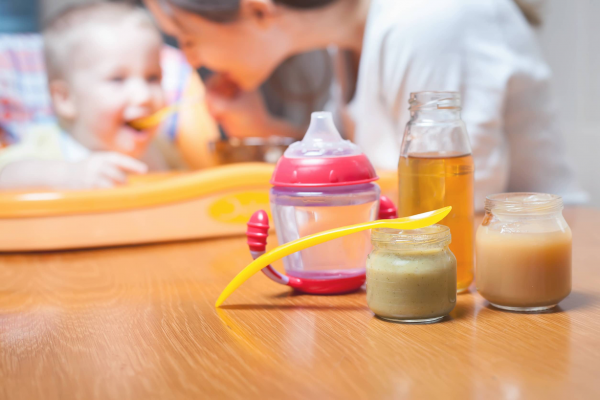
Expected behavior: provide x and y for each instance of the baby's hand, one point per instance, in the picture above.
(103, 170)
(99, 170)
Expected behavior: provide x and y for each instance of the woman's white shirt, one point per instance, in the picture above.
(485, 50)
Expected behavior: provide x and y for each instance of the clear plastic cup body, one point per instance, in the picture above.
(299, 212)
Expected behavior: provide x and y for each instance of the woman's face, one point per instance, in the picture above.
(246, 50)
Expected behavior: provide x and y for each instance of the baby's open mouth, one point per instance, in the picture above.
(136, 133)
(134, 129)
(150, 120)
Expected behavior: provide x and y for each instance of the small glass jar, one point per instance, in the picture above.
(523, 252)
(411, 275)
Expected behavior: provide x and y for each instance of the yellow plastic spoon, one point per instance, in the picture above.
(152, 120)
(412, 222)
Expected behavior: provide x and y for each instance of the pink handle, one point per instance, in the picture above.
(387, 209)
(258, 232)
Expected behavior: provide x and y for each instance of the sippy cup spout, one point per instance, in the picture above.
(322, 128)
(322, 140)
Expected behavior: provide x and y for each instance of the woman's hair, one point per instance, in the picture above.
(530, 12)
(227, 10)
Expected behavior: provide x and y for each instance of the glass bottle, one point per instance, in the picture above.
(524, 252)
(436, 170)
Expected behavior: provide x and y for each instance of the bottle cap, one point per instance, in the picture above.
(322, 159)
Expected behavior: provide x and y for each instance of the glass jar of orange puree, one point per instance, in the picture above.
(523, 252)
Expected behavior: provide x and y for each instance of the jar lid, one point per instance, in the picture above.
(523, 203)
(432, 235)
(323, 158)
(433, 100)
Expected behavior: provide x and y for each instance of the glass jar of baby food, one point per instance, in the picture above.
(411, 275)
(523, 252)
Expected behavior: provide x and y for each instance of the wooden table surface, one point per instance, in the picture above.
(139, 323)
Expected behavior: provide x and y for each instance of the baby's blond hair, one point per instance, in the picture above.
(65, 32)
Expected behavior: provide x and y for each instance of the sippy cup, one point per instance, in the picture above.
(320, 183)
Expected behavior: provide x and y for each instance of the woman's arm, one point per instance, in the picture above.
(99, 170)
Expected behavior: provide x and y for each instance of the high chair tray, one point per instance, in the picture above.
(150, 208)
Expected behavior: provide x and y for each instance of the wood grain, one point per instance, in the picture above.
(139, 323)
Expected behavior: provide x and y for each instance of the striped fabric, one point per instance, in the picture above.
(176, 72)
(24, 97)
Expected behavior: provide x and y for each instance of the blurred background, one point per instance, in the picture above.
(570, 38)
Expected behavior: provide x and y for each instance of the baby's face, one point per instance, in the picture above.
(115, 78)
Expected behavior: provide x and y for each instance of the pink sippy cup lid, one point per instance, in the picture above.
(323, 158)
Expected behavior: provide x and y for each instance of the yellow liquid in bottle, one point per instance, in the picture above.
(429, 181)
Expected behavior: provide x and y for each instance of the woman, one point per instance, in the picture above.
(483, 48)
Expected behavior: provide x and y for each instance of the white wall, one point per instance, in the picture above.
(570, 38)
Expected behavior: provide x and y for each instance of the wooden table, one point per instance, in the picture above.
(139, 323)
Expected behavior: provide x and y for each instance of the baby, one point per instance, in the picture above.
(103, 65)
